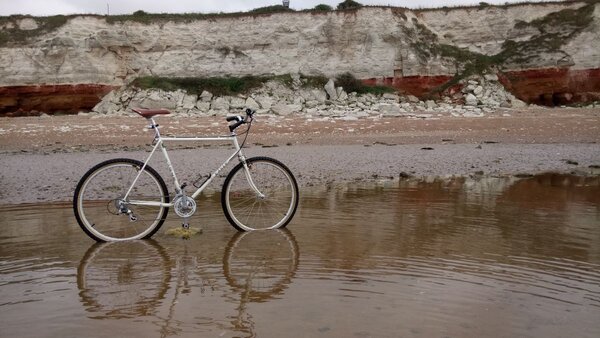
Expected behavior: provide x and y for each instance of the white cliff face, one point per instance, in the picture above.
(370, 43)
(484, 30)
(63, 56)
(87, 49)
(585, 47)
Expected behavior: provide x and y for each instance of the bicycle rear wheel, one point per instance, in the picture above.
(104, 214)
(271, 207)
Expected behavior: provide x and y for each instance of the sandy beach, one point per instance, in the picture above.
(44, 157)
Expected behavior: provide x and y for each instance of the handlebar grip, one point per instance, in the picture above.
(235, 125)
(234, 118)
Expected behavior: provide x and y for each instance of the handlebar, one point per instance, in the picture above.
(240, 119)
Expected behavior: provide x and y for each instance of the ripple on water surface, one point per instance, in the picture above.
(452, 257)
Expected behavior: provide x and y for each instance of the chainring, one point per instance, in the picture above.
(184, 206)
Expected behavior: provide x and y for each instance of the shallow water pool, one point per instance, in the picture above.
(459, 257)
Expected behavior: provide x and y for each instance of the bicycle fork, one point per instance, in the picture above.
(249, 178)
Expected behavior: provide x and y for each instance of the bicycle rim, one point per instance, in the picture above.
(103, 190)
(246, 209)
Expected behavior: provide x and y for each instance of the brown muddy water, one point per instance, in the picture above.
(494, 257)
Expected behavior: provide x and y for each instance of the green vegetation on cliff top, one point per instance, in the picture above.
(10, 33)
(348, 4)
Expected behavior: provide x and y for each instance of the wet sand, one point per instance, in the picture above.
(44, 157)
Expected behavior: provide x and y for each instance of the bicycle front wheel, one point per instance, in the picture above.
(265, 196)
(102, 210)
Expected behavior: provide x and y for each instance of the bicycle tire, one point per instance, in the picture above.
(245, 210)
(97, 195)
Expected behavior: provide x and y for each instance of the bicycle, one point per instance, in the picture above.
(126, 199)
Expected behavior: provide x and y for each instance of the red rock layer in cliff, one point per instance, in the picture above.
(549, 87)
(553, 86)
(419, 86)
(32, 100)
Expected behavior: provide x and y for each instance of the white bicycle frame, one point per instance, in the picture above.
(159, 143)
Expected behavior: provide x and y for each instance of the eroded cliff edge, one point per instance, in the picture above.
(544, 53)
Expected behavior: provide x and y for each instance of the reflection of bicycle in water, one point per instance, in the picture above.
(123, 280)
(258, 275)
(264, 273)
(132, 279)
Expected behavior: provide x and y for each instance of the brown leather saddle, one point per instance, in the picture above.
(148, 113)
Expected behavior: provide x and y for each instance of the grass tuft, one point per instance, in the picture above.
(183, 233)
(352, 84)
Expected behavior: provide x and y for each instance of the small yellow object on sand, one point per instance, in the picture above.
(184, 233)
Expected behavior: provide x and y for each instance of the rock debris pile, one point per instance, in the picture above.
(486, 91)
(479, 96)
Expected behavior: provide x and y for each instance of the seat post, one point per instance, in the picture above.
(154, 125)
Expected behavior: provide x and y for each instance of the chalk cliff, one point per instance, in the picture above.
(545, 53)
